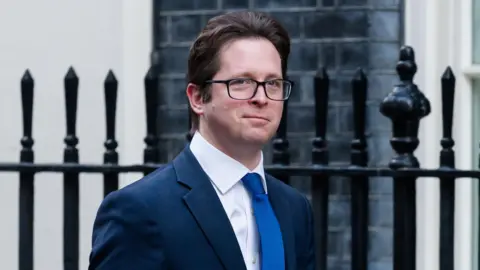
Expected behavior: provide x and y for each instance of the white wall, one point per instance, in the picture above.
(47, 37)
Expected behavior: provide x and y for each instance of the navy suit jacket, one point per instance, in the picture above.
(173, 219)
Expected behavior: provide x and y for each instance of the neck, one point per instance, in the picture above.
(248, 155)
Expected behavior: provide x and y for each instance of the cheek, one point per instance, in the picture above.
(277, 111)
(226, 111)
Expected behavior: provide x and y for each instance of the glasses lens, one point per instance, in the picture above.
(245, 88)
(242, 88)
(278, 89)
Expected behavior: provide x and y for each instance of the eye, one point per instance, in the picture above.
(240, 82)
(275, 83)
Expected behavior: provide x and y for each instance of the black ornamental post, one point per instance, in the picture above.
(405, 106)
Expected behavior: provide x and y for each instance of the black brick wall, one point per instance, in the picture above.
(338, 34)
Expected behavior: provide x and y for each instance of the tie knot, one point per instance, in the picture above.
(253, 183)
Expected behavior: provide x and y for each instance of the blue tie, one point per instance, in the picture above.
(271, 243)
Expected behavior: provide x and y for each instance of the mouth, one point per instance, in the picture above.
(256, 117)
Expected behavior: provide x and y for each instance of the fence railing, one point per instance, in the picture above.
(405, 106)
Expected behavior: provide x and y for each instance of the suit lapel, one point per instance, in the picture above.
(205, 206)
(282, 212)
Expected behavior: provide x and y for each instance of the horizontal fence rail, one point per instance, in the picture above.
(405, 106)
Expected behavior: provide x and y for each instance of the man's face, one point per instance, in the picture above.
(252, 121)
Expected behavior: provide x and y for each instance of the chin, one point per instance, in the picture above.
(257, 137)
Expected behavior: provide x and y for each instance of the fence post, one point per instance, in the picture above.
(70, 180)
(110, 179)
(359, 184)
(26, 200)
(405, 106)
(447, 184)
(320, 183)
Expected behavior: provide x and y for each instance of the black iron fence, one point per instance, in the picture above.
(405, 106)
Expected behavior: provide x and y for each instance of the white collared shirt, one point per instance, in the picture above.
(225, 174)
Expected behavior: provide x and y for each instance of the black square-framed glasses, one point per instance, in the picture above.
(246, 88)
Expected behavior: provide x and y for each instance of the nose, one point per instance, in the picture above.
(260, 98)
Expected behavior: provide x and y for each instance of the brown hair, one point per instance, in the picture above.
(203, 61)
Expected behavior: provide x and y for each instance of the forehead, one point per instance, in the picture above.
(251, 56)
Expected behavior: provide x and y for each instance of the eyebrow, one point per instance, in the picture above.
(250, 75)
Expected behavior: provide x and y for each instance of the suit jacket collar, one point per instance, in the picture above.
(208, 211)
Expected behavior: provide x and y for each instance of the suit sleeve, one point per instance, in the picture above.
(124, 237)
(308, 257)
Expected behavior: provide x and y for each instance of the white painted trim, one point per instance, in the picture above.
(464, 242)
(472, 71)
(439, 33)
(137, 47)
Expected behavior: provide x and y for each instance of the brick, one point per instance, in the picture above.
(336, 24)
(208, 16)
(303, 88)
(380, 265)
(338, 264)
(385, 25)
(302, 119)
(345, 118)
(381, 185)
(327, 55)
(339, 150)
(185, 27)
(173, 120)
(339, 213)
(241, 4)
(380, 85)
(394, 4)
(289, 20)
(328, 3)
(296, 94)
(161, 34)
(169, 148)
(380, 244)
(178, 5)
(383, 55)
(172, 92)
(295, 148)
(381, 212)
(352, 2)
(303, 56)
(353, 55)
(173, 60)
(340, 88)
(335, 240)
(376, 120)
(379, 149)
(339, 185)
(284, 3)
(305, 147)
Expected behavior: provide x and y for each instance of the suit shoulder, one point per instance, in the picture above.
(148, 185)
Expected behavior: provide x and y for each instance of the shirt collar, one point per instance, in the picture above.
(223, 170)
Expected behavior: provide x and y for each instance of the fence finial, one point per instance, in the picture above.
(150, 153)
(405, 106)
(27, 85)
(319, 143)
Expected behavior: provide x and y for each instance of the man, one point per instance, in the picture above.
(213, 207)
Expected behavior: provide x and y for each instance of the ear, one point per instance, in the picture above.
(195, 98)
